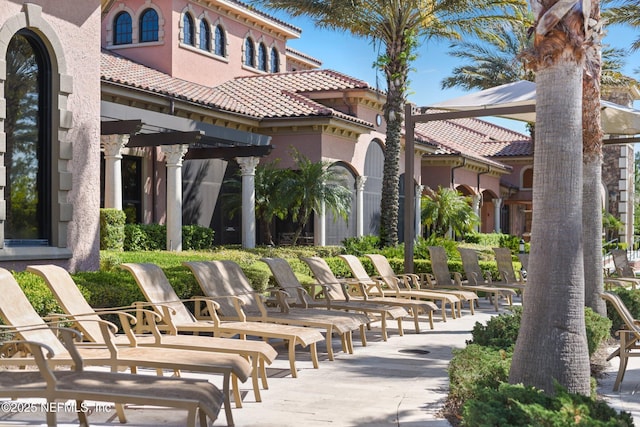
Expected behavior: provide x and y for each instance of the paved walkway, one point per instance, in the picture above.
(401, 382)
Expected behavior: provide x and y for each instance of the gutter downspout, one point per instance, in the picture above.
(478, 178)
(453, 170)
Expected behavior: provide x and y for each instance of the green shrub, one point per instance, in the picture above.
(515, 405)
(197, 238)
(598, 328)
(474, 368)
(500, 332)
(37, 293)
(359, 246)
(153, 237)
(631, 299)
(112, 223)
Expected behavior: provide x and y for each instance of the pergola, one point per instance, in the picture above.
(515, 101)
(180, 139)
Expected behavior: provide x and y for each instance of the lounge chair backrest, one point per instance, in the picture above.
(325, 277)
(286, 278)
(383, 267)
(621, 263)
(70, 298)
(622, 310)
(357, 269)
(157, 290)
(222, 279)
(504, 261)
(524, 261)
(471, 266)
(439, 265)
(16, 310)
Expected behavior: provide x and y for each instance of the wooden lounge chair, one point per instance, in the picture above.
(160, 295)
(228, 285)
(200, 398)
(16, 311)
(478, 282)
(366, 283)
(337, 297)
(408, 286)
(444, 281)
(629, 336)
(504, 260)
(74, 304)
(625, 273)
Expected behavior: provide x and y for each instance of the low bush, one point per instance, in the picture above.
(514, 405)
(631, 300)
(153, 237)
(112, 229)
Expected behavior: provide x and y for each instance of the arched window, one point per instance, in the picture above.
(187, 30)
(221, 41)
(274, 61)
(262, 57)
(28, 142)
(122, 29)
(249, 53)
(205, 35)
(527, 179)
(149, 26)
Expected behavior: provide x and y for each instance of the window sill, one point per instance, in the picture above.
(33, 253)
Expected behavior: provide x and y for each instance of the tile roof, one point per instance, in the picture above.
(266, 96)
(473, 137)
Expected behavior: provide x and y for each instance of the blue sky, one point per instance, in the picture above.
(342, 52)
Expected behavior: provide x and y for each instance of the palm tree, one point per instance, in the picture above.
(551, 344)
(314, 187)
(397, 25)
(446, 209)
(627, 13)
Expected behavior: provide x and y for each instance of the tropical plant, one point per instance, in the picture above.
(398, 26)
(552, 343)
(626, 13)
(445, 209)
(314, 187)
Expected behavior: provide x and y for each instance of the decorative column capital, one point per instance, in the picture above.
(112, 145)
(419, 190)
(360, 182)
(248, 165)
(174, 154)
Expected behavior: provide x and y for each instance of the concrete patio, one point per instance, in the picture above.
(401, 382)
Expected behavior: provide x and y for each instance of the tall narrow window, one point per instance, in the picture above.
(274, 60)
(149, 26)
(28, 139)
(205, 35)
(249, 53)
(262, 57)
(187, 34)
(221, 41)
(122, 29)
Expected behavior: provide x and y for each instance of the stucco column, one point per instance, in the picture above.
(322, 225)
(475, 203)
(248, 171)
(174, 155)
(112, 146)
(418, 227)
(360, 182)
(497, 205)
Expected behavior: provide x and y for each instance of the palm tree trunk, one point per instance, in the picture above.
(592, 173)
(551, 344)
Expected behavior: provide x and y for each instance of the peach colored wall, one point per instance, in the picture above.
(190, 62)
(71, 32)
(434, 176)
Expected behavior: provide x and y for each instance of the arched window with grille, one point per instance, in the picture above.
(27, 158)
(149, 26)
(187, 30)
(221, 41)
(262, 57)
(122, 29)
(205, 35)
(249, 53)
(274, 61)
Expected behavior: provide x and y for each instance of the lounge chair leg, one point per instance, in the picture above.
(203, 418)
(82, 416)
(120, 412)
(263, 374)
(623, 361)
(363, 338)
(383, 327)
(431, 319)
(400, 329)
(227, 399)
(292, 357)
(51, 419)
(255, 373)
(191, 417)
(236, 391)
(330, 345)
(314, 355)
(416, 319)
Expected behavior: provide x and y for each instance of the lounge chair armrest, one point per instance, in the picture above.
(213, 306)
